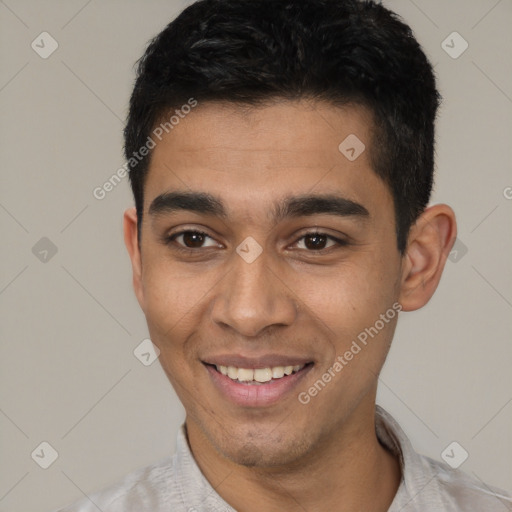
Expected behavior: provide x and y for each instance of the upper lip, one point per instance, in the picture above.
(263, 361)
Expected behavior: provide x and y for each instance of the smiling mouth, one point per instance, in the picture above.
(256, 376)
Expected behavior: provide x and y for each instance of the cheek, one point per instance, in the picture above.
(350, 298)
(172, 300)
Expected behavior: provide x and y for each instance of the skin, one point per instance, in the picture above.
(295, 298)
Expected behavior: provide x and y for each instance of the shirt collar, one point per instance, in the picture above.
(417, 474)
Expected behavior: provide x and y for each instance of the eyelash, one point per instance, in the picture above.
(169, 240)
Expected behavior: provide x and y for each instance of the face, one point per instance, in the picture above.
(265, 250)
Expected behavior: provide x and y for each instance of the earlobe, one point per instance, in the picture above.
(430, 241)
(132, 245)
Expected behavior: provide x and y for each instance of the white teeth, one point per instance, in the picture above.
(278, 372)
(232, 372)
(245, 375)
(262, 374)
(259, 374)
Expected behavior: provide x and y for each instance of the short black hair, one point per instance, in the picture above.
(251, 52)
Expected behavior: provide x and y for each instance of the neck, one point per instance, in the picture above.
(347, 471)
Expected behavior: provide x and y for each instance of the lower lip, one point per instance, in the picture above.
(256, 395)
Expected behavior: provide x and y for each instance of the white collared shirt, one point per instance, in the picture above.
(176, 484)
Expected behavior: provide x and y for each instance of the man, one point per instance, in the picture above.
(281, 160)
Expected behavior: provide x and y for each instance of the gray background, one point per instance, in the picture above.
(70, 324)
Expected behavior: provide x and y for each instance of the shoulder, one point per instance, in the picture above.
(173, 484)
(457, 490)
(149, 488)
(428, 484)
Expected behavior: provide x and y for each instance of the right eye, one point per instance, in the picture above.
(188, 240)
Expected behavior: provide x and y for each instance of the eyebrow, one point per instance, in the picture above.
(289, 207)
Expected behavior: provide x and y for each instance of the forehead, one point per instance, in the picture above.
(252, 156)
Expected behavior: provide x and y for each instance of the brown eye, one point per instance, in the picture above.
(315, 242)
(190, 239)
(193, 239)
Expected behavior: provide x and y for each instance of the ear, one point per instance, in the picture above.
(430, 241)
(132, 245)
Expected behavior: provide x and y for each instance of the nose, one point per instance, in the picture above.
(253, 296)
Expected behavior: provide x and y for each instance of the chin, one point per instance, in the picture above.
(255, 456)
(263, 449)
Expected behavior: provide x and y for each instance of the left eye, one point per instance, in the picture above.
(316, 241)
